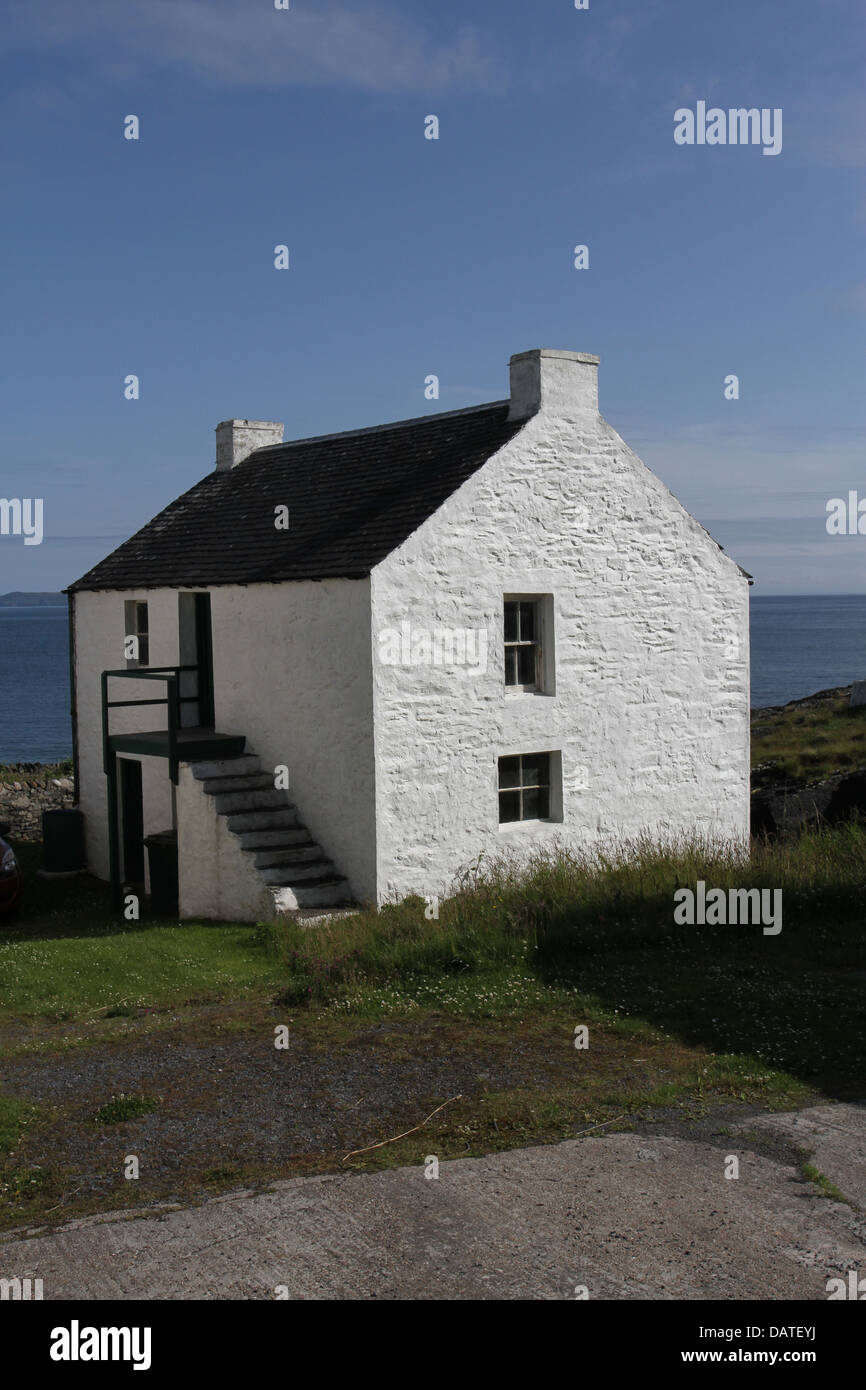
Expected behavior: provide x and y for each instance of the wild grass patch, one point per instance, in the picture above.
(123, 1107)
(597, 931)
(15, 1116)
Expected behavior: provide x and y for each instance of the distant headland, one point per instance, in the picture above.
(17, 599)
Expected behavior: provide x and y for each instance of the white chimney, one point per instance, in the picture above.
(555, 381)
(237, 439)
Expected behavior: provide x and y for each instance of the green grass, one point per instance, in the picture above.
(821, 1181)
(18, 1185)
(44, 771)
(683, 1021)
(66, 955)
(15, 1115)
(125, 971)
(583, 935)
(123, 1107)
(597, 934)
(811, 743)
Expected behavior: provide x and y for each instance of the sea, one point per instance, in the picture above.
(799, 645)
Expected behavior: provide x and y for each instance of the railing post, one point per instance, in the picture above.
(171, 682)
(113, 835)
(104, 680)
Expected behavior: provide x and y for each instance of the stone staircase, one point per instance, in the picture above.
(296, 870)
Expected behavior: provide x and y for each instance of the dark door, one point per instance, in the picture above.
(132, 821)
(195, 649)
(204, 660)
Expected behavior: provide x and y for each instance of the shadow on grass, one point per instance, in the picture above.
(794, 1002)
(604, 926)
(51, 909)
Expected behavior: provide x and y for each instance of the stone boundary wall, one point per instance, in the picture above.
(28, 789)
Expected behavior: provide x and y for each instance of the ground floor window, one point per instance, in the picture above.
(524, 787)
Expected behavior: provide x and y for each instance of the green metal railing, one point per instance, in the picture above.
(173, 700)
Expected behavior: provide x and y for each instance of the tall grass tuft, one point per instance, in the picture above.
(564, 906)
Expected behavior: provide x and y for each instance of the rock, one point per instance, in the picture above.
(787, 807)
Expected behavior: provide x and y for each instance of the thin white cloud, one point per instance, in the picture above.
(372, 47)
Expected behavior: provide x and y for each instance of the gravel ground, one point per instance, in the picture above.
(240, 1101)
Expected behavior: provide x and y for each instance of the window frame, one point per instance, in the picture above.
(542, 641)
(521, 787)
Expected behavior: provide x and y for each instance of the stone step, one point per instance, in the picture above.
(226, 767)
(244, 782)
(287, 855)
(287, 875)
(287, 838)
(263, 799)
(333, 893)
(262, 820)
(313, 916)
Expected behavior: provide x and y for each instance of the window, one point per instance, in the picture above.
(135, 619)
(522, 643)
(528, 637)
(524, 787)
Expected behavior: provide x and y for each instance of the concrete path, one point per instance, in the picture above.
(625, 1216)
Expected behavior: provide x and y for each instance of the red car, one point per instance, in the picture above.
(10, 875)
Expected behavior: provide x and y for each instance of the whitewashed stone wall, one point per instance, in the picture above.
(651, 710)
(292, 671)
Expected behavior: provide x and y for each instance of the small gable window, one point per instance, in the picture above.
(136, 626)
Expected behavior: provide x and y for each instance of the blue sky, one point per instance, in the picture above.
(412, 256)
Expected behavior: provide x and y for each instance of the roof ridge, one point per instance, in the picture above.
(377, 429)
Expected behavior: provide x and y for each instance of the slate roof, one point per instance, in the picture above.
(352, 499)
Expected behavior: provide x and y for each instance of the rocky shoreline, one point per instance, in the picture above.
(788, 805)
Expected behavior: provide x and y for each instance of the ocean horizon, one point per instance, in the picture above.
(799, 644)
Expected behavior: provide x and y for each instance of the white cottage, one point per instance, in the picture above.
(383, 653)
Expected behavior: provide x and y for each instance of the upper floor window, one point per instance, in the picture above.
(136, 626)
(522, 643)
(529, 646)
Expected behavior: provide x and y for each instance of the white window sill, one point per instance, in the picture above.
(513, 692)
(509, 825)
